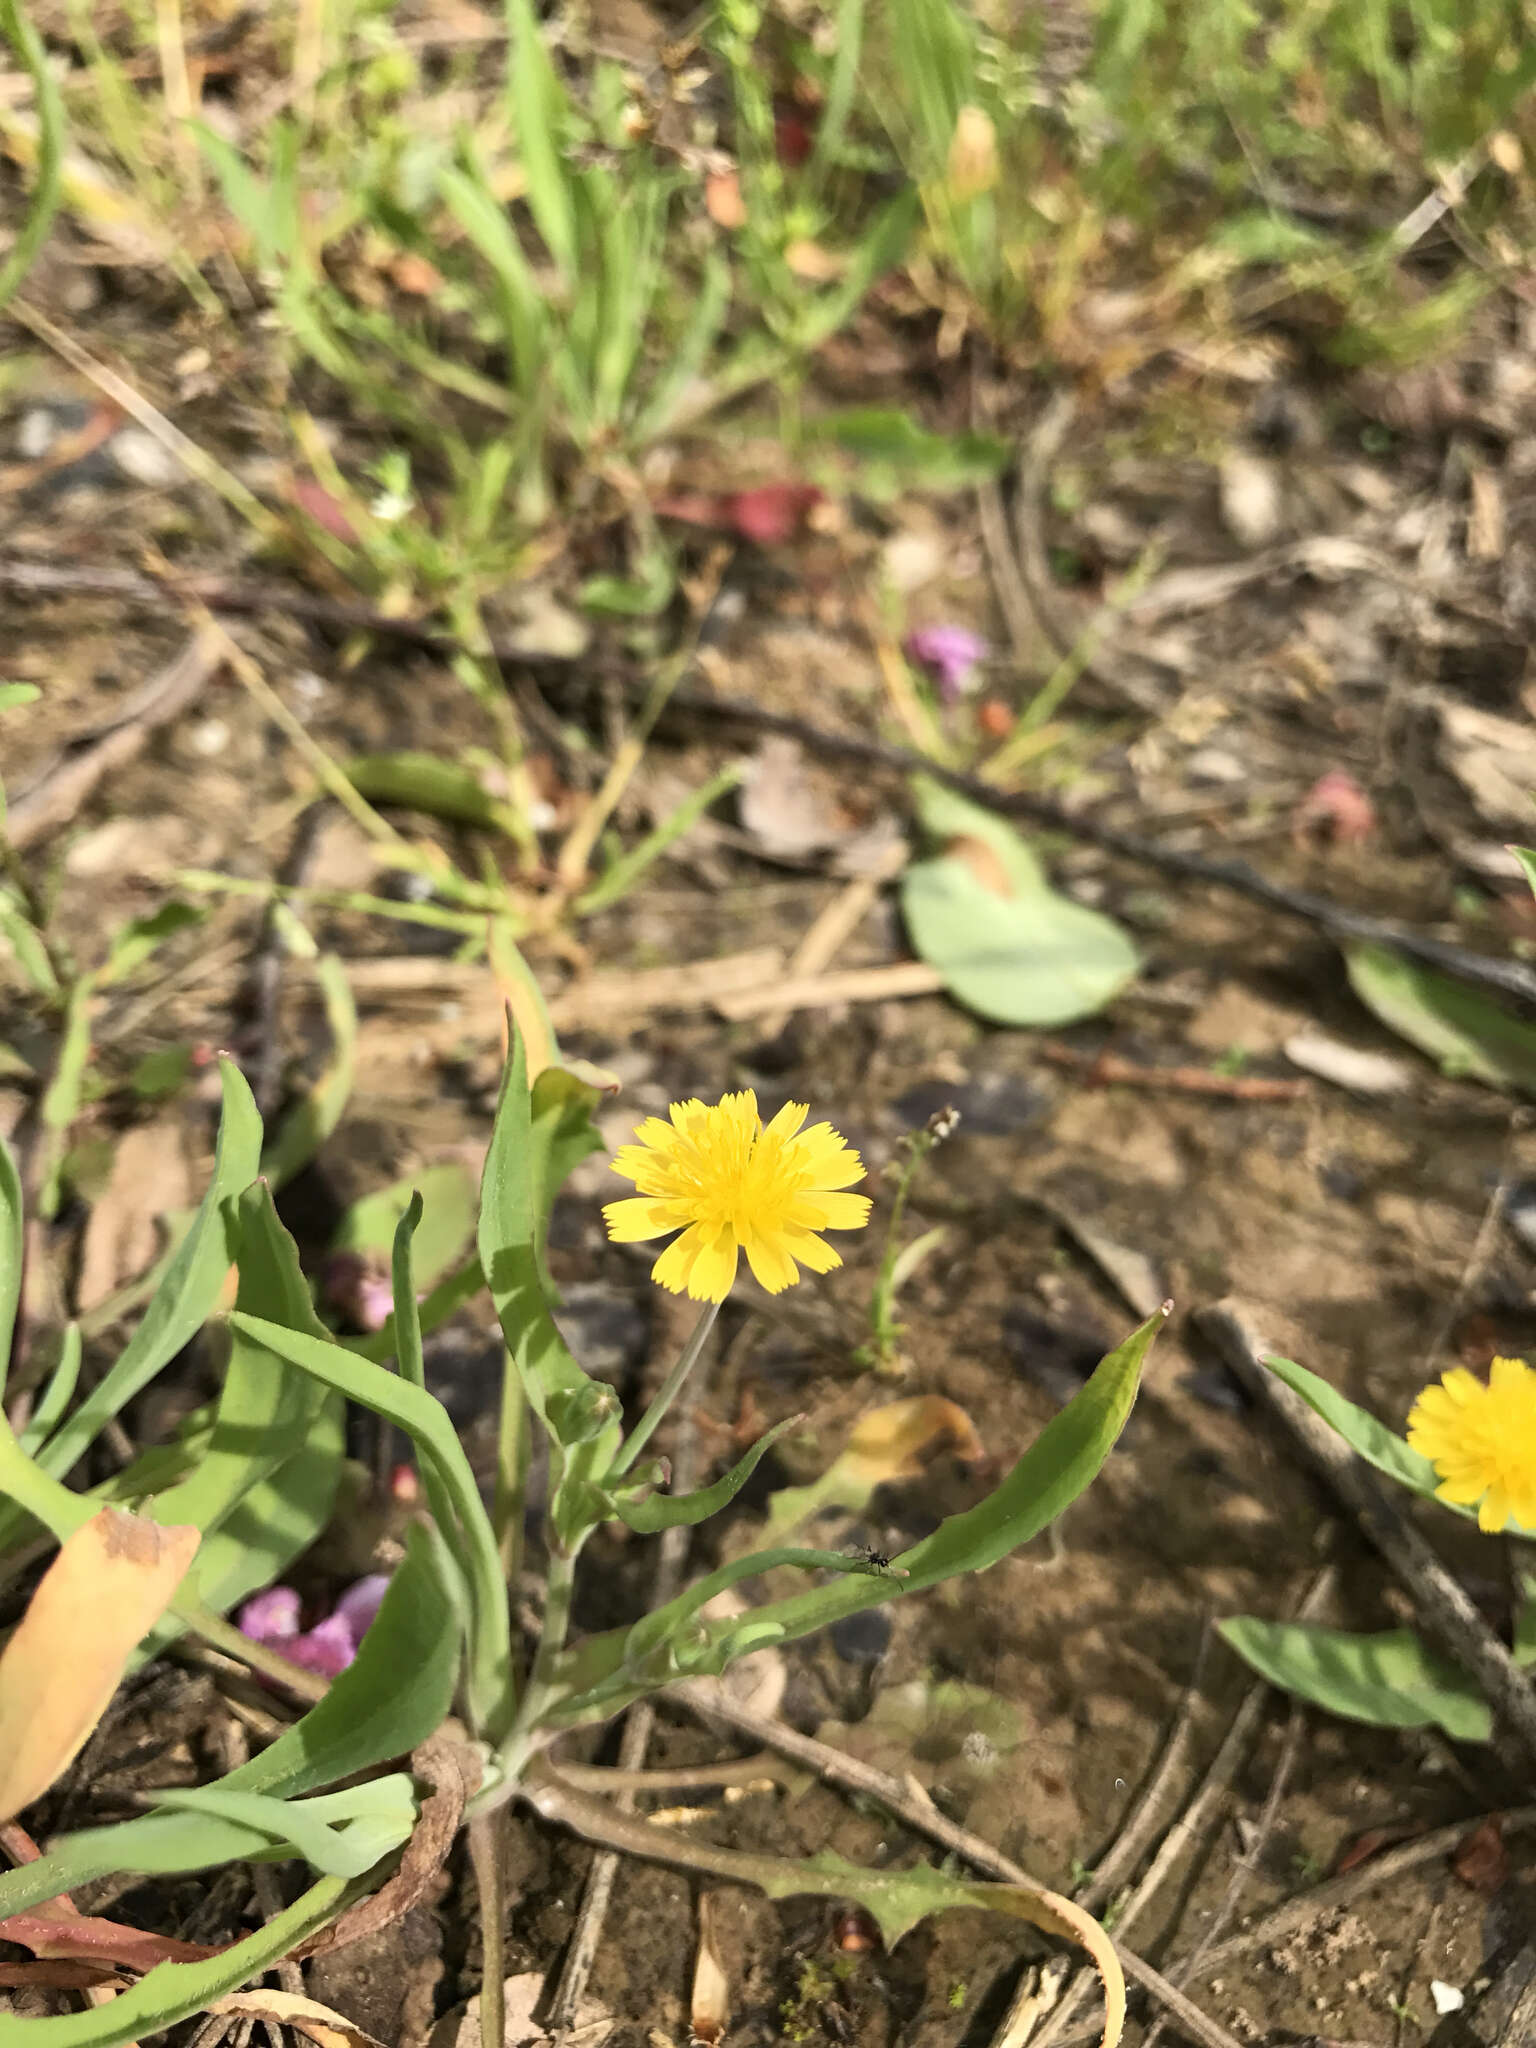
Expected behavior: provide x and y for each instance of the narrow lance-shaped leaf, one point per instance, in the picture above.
(426, 1422)
(11, 1242)
(686, 1510)
(1050, 1475)
(186, 1297)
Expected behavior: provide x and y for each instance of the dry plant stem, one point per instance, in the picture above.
(1340, 1892)
(709, 1700)
(327, 774)
(746, 1770)
(194, 459)
(835, 925)
(308, 1686)
(1180, 1974)
(1146, 1817)
(588, 1933)
(490, 1885)
(56, 797)
(1511, 977)
(1442, 1604)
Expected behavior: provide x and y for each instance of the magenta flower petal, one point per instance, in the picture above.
(949, 653)
(326, 1648)
(271, 1617)
(359, 1604)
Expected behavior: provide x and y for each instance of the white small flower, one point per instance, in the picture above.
(389, 506)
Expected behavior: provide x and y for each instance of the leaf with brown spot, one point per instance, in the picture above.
(110, 1583)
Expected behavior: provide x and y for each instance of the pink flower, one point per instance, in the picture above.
(273, 1618)
(950, 655)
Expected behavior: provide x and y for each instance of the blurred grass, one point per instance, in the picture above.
(509, 261)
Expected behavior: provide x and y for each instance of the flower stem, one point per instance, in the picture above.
(668, 1392)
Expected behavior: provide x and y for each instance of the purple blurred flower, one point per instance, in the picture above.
(273, 1618)
(950, 655)
(354, 1286)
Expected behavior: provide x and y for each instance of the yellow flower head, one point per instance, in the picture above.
(732, 1184)
(1482, 1441)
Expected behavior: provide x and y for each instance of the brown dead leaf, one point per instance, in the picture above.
(1482, 1861)
(306, 2016)
(709, 2010)
(149, 1178)
(814, 263)
(723, 201)
(414, 275)
(80, 1938)
(110, 1583)
(452, 1769)
(461, 2028)
(894, 1442)
(784, 807)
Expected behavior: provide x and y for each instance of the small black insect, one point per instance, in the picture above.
(879, 1561)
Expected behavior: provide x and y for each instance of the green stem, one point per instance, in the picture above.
(27, 45)
(511, 1470)
(671, 1386)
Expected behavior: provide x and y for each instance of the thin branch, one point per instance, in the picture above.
(710, 1700)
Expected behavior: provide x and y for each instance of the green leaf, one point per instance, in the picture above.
(1008, 946)
(621, 877)
(1367, 1437)
(686, 1510)
(426, 1422)
(1047, 1478)
(310, 1122)
(427, 782)
(392, 1696)
(341, 1835)
(61, 1099)
(1391, 1680)
(447, 1223)
(538, 1136)
(1464, 1031)
(12, 1240)
(59, 1392)
(895, 441)
(189, 1293)
(1266, 238)
(541, 111)
(1527, 860)
(171, 1991)
(19, 933)
(1523, 1649)
(12, 694)
(140, 937)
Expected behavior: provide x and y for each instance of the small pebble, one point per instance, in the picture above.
(142, 459)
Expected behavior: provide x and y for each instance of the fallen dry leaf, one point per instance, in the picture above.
(461, 2028)
(784, 807)
(122, 1239)
(894, 1442)
(110, 1583)
(306, 2016)
(709, 2008)
(81, 1938)
(1482, 1861)
(723, 201)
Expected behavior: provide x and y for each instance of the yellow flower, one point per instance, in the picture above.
(731, 1184)
(1482, 1441)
